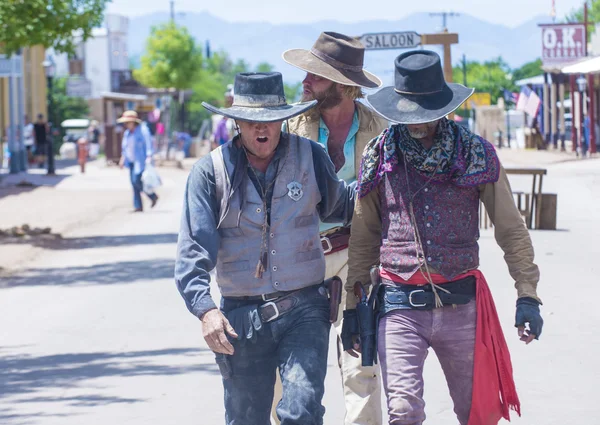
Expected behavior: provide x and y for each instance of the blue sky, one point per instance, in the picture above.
(508, 12)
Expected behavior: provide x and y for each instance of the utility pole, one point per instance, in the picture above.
(445, 16)
(464, 70)
(172, 11)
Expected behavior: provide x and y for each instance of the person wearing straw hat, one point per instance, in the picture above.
(335, 77)
(251, 212)
(417, 219)
(136, 152)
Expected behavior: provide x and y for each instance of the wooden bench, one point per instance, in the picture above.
(534, 200)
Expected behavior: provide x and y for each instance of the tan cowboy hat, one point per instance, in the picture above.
(129, 116)
(337, 57)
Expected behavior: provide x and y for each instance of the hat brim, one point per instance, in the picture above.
(306, 61)
(128, 119)
(418, 109)
(266, 114)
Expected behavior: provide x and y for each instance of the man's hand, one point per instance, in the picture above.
(214, 326)
(121, 162)
(528, 320)
(349, 336)
(355, 350)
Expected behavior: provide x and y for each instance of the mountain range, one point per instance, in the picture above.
(257, 42)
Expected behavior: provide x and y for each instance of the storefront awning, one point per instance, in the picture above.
(588, 66)
(126, 97)
(538, 80)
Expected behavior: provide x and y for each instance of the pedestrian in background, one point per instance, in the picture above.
(40, 132)
(29, 139)
(136, 153)
(93, 138)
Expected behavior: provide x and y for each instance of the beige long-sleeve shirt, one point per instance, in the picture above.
(509, 230)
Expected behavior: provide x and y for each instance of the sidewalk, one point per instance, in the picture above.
(63, 203)
(515, 157)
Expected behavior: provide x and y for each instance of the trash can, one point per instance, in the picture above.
(548, 211)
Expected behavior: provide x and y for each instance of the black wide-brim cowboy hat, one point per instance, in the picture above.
(420, 94)
(336, 57)
(262, 114)
(259, 97)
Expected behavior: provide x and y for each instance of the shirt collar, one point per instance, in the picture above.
(353, 127)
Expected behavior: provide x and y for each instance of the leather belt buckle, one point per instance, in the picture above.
(328, 246)
(410, 300)
(275, 311)
(266, 298)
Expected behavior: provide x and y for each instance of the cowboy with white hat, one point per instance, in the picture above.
(420, 186)
(251, 212)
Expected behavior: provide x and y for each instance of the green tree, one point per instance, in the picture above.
(47, 23)
(593, 15)
(264, 67)
(293, 92)
(487, 77)
(172, 59)
(530, 69)
(66, 107)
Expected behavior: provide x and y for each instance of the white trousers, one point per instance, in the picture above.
(362, 385)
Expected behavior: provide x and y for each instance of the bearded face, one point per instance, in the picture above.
(325, 92)
(421, 131)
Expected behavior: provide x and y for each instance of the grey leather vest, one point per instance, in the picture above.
(294, 257)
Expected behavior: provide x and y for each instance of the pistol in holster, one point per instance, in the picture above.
(334, 288)
(366, 313)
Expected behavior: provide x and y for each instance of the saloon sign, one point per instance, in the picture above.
(563, 43)
(391, 40)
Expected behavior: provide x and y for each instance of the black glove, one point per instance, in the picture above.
(528, 311)
(246, 322)
(350, 328)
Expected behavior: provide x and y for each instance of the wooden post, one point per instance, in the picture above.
(563, 133)
(573, 129)
(445, 39)
(592, 113)
(546, 103)
(553, 117)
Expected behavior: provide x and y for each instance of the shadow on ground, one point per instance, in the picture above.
(49, 242)
(101, 274)
(24, 379)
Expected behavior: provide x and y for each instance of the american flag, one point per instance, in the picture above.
(528, 102)
(510, 97)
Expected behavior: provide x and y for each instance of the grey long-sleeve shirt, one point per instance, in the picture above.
(199, 240)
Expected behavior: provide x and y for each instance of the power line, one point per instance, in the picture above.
(445, 16)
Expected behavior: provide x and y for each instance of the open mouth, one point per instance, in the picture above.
(262, 139)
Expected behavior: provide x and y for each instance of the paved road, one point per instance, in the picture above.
(93, 331)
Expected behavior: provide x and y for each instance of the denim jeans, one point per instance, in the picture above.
(138, 188)
(297, 344)
(404, 338)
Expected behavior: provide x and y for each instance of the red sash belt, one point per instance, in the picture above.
(494, 392)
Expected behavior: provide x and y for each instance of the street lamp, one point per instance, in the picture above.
(581, 83)
(50, 70)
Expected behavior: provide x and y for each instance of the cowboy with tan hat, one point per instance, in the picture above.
(335, 78)
(251, 212)
(136, 152)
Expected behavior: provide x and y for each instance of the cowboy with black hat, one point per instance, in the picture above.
(417, 221)
(252, 209)
(336, 78)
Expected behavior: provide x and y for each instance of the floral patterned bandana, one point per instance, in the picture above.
(457, 154)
